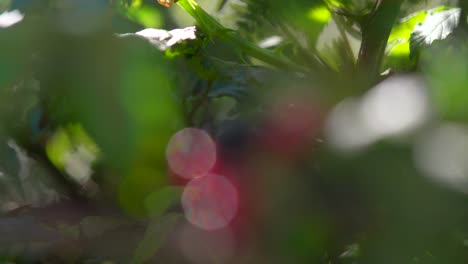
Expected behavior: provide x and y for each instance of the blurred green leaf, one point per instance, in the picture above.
(145, 15)
(4, 5)
(444, 66)
(154, 237)
(161, 200)
(58, 145)
(66, 141)
(136, 185)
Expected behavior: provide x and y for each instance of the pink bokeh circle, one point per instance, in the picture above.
(210, 202)
(191, 153)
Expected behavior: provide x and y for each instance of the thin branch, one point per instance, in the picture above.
(342, 30)
(311, 54)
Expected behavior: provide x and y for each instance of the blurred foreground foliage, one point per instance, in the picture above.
(330, 164)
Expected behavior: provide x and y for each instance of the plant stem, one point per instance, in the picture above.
(215, 30)
(375, 32)
(463, 26)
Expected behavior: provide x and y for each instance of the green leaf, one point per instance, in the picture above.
(154, 237)
(444, 67)
(137, 185)
(161, 200)
(398, 47)
(438, 24)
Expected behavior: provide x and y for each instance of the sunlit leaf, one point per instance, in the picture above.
(162, 39)
(398, 47)
(58, 145)
(437, 25)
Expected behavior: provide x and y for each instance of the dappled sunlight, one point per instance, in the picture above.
(210, 202)
(191, 153)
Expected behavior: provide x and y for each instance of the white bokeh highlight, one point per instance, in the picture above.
(393, 108)
(9, 18)
(345, 128)
(396, 106)
(442, 154)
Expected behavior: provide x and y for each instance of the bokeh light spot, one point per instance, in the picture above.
(191, 153)
(319, 14)
(442, 154)
(9, 18)
(394, 108)
(210, 202)
(345, 129)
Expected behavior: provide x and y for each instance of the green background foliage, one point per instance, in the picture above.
(89, 99)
